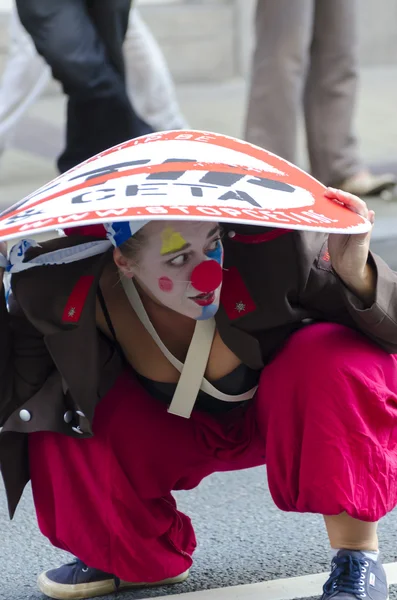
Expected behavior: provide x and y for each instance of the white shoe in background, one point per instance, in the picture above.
(366, 183)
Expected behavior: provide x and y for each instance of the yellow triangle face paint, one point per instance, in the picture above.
(172, 241)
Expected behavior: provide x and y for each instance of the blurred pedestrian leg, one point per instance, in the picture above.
(24, 78)
(149, 81)
(283, 39)
(306, 55)
(82, 41)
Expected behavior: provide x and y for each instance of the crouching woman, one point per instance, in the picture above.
(184, 349)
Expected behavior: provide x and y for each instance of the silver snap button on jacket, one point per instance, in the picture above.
(25, 415)
(68, 416)
(78, 430)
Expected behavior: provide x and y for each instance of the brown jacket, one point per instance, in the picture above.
(54, 361)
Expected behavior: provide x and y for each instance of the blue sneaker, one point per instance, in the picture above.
(76, 581)
(354, 576)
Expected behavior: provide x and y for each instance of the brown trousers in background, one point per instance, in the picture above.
(306, 54)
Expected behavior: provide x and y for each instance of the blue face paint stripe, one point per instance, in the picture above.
(208, 312)
(217, 253)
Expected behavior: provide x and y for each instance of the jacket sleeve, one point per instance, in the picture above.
(324, 293)
(24, 360)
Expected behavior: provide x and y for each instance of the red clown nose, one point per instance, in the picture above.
(207, 276)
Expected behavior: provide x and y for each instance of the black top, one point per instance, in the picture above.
(237, 382)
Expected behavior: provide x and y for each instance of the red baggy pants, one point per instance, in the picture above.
(324, 421)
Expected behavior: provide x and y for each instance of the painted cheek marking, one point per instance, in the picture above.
(166, 284)
(172, 241)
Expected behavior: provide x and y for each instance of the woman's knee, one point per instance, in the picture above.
(327, 346)
(328, 365)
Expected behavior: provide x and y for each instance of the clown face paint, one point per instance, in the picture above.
(172, 241)
(180, 266)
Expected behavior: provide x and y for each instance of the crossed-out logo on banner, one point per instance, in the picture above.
(175, 175)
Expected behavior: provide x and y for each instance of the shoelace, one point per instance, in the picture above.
(76, 562)
(81, 565)
(348, 576)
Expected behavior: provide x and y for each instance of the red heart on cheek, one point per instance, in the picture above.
(207, 276)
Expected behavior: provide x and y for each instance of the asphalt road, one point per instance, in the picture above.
(243, 538)
(387, 249)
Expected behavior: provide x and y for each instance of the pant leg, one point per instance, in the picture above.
(149, 81)
(110, 18)
(330, 96)
(107, 499)
(327, 407)
(25, 76)
(283, 38)
(99, 113)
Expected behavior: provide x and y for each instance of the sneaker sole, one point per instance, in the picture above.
(61, 591)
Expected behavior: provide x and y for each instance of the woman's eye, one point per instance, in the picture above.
(179, 260)
(213, 245)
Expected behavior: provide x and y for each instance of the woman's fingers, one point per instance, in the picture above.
(352, 202)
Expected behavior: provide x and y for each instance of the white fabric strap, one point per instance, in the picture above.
(137, 305)
(205, 385)
(193, 370)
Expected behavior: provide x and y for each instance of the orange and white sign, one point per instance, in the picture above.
(188, 175)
